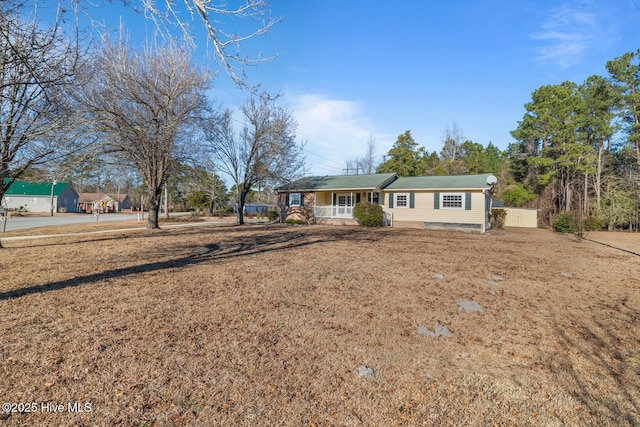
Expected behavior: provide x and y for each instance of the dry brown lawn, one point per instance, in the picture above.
(268, 325)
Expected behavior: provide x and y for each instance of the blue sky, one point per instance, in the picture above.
(351, 70)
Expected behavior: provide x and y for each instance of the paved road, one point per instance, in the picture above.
(17, 223)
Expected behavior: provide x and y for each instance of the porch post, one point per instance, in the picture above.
(333, 213)
(352, 203)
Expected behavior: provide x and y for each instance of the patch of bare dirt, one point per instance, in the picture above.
(269, 325)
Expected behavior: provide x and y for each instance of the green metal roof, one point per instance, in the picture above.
(449, 182)
(23, 188)
(341, 182)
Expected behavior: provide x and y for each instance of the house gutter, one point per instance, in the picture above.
(433, 189)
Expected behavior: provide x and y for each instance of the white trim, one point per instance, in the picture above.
(395, 200)
(299, 201)
(443, 195)
(420, 189)
(485, 213)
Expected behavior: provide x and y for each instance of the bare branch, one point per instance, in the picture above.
(215, 16)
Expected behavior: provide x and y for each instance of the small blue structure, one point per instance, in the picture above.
(255, 209)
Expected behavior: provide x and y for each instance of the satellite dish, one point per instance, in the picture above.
(491, 180)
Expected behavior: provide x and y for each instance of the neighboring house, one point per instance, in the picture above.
(103, 203)
(37, 197)
(461, 202)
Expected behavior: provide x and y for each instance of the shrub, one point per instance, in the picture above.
(197, 200)
(368, 214)
(273, 215)
(518, 196)
(565, 223)
(593, 223)
(294, 221)
(498, 217)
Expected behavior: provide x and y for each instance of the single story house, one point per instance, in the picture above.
(104, 203)
(461, 202)
(39, 196)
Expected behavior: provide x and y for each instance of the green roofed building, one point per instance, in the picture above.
(37, 197)
(461, 202)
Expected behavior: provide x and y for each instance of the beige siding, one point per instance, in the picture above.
(323, 198)
(424, 211)
(519, 217)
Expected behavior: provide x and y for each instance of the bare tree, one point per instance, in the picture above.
(265, 150)
(452, 139)
(37, 65)
(367, 163)
(144, 105)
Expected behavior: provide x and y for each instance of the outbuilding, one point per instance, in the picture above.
(40, 196)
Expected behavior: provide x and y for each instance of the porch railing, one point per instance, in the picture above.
(344, 212)
(387, 218)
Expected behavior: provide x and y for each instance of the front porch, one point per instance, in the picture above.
(339, 204)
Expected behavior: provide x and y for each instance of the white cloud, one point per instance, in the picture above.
(336, 130)
(566, 35)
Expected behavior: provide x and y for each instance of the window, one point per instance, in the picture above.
(295, 199)
(401, 200)
(452, 201)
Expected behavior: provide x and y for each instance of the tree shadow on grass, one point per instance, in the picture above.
(106, 235)
(230, 246)
(598, 364)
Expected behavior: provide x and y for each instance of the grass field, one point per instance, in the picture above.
(269, 325)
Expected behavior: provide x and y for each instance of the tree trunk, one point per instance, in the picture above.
(585, 206)
(598, 184)
(241, 201)
(166, 201)
(565, 203)
(154, 209)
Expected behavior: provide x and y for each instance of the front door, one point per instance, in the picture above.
(345, 204)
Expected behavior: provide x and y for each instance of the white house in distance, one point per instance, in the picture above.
(104, 203)
(37, 197)
(459, 202)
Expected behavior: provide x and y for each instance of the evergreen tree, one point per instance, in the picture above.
(405, 157)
